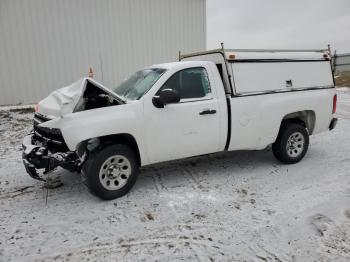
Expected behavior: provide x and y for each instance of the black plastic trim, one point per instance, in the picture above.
(333, 123)
(275, 60)
(39, 118)
(207, 112)
(228, 139)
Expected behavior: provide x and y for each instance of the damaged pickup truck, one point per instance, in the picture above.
(220, 100)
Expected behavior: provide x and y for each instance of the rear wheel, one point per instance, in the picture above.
(291, 144)
(111, 172)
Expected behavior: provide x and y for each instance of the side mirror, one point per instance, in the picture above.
(166, 96)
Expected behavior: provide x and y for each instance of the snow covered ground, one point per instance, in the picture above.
(237, 206)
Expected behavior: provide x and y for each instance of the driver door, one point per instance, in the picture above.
(187, 128)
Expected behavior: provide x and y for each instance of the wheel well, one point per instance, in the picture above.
(97, 143)
(307, 118)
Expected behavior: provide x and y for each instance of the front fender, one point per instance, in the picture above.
(84, 125)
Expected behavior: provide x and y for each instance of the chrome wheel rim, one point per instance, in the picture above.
(115, 172)
(295, 144)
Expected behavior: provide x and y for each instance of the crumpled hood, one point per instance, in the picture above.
(63, 101)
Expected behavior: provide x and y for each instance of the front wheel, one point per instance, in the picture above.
(291, 144)
(111, 172)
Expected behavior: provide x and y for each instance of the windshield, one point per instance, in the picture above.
(139, 83)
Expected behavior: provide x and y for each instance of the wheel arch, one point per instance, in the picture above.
(95, 144)
(306, 117)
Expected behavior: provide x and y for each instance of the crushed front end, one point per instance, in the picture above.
(44, 148)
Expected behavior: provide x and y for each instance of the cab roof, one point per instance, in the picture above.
(174, 65)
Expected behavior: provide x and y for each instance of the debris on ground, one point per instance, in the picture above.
(52, 183)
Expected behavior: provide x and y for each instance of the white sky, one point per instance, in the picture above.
(279, 24)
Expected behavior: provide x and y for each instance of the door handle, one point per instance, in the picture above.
(207, 112)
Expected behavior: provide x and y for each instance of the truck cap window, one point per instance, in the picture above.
(139, 83)
(190, 83)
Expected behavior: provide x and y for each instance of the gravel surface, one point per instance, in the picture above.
(236, 206)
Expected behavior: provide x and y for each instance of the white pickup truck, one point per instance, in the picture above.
(219, 100)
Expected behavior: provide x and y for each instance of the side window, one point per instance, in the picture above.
(190, 83)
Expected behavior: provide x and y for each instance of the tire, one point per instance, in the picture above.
(111, 172)
(291, 144)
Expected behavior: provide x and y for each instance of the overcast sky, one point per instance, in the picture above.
(279, 24)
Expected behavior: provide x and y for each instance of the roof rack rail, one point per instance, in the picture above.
(276, 50)
(222, 50)
(181, 56)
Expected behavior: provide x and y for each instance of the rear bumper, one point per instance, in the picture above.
(333, 123)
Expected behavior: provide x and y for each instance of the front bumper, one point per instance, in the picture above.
(29, 149)
(333, 123)
(37, 156)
